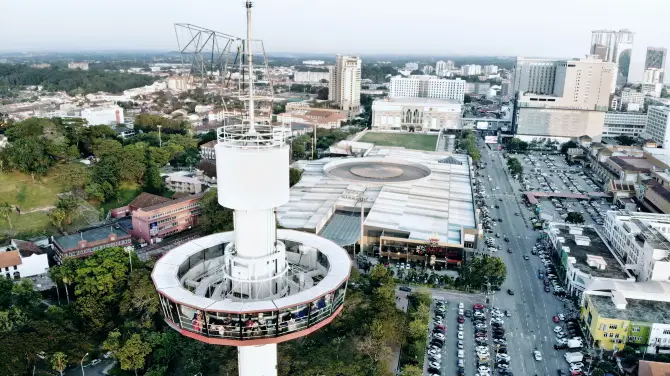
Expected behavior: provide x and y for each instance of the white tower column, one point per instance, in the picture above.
(257, 360)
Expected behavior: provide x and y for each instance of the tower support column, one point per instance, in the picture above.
(257, 360)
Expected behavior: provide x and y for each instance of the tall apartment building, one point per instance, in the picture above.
(428, 69)
(344, 86)
(471, 70)
(427, 87)
(655, 60)
(630, 96)
(535, 76)
(624, 124)
(614, 47)
(78, 65)
(441, 68)
(652, 76)
(658, 125)
(575, 106)
(640, 240)
(490, 69)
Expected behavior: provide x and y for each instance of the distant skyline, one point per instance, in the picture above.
(428, 27)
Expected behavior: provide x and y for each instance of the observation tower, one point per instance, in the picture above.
(255, 286)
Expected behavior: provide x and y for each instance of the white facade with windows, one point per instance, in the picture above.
(427, 87)
(624, 124)
(344, 85)
(471, 70)
(629, 96)
(310, 76)
(658, 121)
(641, 241)
(535, 76)
(417, 114)
(441, 68)
(659, 336)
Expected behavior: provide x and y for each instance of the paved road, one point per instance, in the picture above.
(530, 326)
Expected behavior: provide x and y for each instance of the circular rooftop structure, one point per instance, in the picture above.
(202, 299)
(374, 170)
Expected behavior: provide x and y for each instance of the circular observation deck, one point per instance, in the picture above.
(201, 301)
(376, 170)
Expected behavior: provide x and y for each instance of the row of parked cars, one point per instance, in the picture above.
(437, 337)
(549, 274)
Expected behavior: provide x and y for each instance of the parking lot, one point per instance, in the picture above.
(550, 173)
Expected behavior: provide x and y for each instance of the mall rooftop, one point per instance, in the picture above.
(418, 194)
(636, 310)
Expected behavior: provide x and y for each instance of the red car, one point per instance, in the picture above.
(461, 319)
(555, 318)
(478, 306)
(441, 327)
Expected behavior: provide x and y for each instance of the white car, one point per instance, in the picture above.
(503, 366)
(461, 354)
(575, 368)
(460, 345)
(461, 306)
(460, 311)
(481, 326)
(483, 369)
(503, 357)
(460, 327)
(537, 355)
(479, 314)
(557, 329)
(460, 335)
(439, 336)
(561, 316)
(577, 364)
(497, 320)
(481, 348)
(435, 365)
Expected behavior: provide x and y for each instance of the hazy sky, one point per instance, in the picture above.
(483, 27)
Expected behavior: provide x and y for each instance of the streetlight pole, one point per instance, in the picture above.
(129, 249)
(160, 141)
(82, 365)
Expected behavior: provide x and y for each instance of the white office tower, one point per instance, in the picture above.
(536, 76)
(614, 47)
(428, 69)
(427, 87)
(255, 286)
(344, 86)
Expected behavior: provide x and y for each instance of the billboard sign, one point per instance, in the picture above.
(491, 139)
(482, 125)
(153, 228)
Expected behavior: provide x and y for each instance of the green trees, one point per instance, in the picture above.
(214, 217)
(575, 217)
(70, 80)
(568, 145)
(514, 166)
(5, 211)
(625, 140)
(479, 271)
(58, 362)
(150, 122)
(322, 94)
(68, 207)
(294, 176)
(467, 141)
(102, 275)
(131, 354)
(516, 145)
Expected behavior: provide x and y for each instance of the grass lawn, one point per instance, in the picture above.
(32, 223)
(127, 192)
(39, 193)
(416, 141)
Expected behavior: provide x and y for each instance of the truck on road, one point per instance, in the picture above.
(573, 357)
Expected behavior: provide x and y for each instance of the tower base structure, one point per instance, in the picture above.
(257, 360)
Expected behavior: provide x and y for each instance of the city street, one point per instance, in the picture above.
(530, 326)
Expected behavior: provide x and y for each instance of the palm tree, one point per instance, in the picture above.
(58, 362)
(5, 210)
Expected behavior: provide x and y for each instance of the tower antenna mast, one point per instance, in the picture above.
(250, 65)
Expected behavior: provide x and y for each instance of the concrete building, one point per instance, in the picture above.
(614, 47)
(536, 76)
(490, 69)
(23, 259)
(629, 96)
(658, 125)
(154, 217)
(651, 89)
(314, 77)
(87, 242)
(313, 62)
(652, 76)
(576, 106)
(78, 65)
(615, 314)
(111, 115)
(416, 114)
(427, 87)
(411, 66)
(441, 68)
(184, 182)
(428, 69)
(641, 242)
(179, 83)
(344, 85)
(649, 368)
(427, 206)
(624, 124)
(207, 150)
(320, 118)
(471, 70)
(655, 59)
(584, 257)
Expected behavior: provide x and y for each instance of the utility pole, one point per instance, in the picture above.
(160, 142)
(82, 364)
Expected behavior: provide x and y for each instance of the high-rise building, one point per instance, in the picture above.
(428, 69)
(614, 47)
(534, 76)
(658, 125)
(471, 70)
(441, 68)
(576, 106)
(654, 65)
(344, 86)
(490, 69)
(427, 87)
